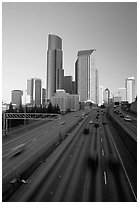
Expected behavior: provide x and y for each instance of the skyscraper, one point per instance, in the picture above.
(86, 76)
(34, 90)
(68, 84)
(55, 73)
(122, 93)
(100, 95)
(130, 89)
(106, 95)
(43, 96)
(17, 97)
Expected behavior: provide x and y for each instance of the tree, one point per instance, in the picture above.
(10, 110)
(50, 108)
(21, 110)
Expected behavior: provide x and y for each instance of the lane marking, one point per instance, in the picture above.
(105, 178)
(102, 152)
(123, 167)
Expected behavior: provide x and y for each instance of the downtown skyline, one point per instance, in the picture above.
(24, 38)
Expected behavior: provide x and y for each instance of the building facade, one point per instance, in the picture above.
(86, 76)
(43, 96)
(17, 97)
(122, 94)
(106, 95)
(68, 84)
(65, 101)
(100, 95)
(73, 87)
(55, 73)
(34, 91)
(130, 89)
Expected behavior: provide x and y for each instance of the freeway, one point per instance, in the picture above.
(84, 167)
(36, 140)
(130, 127)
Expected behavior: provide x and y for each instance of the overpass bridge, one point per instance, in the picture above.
(26, 116)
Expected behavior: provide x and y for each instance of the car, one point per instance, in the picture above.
(86, 131)
(113, 163)
(96, 124)
(91, 122)
(62, 123)
(76, 115)
(93, 160)
(121, 115)
(127, 118)
(18, 149)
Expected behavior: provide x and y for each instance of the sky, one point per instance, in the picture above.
(108, 27)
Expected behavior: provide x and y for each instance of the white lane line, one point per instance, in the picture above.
(102, 152)
(124, 168)
(105, 178)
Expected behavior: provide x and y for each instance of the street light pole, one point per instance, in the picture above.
(25, 110)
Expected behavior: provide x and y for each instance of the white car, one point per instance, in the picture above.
(62, 123)
(91, 122)
(127, 118)
(17, 149)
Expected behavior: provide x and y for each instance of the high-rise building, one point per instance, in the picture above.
(106, 95)
(43, 96)
(130, 89)
(122, 93)
(55, 73)
(17, 97)
(68, 84)
(34, 91)
(100, 95)
(73, 87)
(86, 76)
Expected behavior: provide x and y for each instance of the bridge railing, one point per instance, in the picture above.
(25, 116)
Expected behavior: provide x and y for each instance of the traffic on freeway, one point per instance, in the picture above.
(79, 157)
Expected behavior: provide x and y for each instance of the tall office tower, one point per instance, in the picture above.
(55, 73)
(106, 95)
(34, 90)
(17, 97)
(130, 89)
(73, 87)
(76, 76)
(86, 76)
(43, 96)
(100, 95)
(97, 86)
(68, 84)
(122, 93)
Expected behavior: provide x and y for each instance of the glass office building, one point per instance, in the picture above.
(86, 76)
(55, 73)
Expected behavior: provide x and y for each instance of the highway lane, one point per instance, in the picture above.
(130, 127)
(40, 131)
(128, 152)
(84, 168)
(38, 141)
(54, 169)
